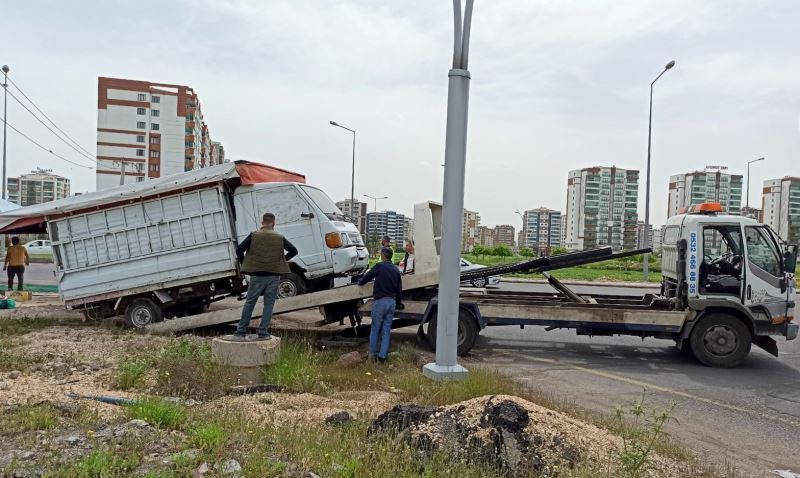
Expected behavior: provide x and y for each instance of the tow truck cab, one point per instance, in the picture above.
(729, 269)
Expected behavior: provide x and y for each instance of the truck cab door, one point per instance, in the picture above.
(765, 284)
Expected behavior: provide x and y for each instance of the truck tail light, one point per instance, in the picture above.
(333, 240)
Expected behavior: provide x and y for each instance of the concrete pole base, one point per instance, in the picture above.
(441, 372)
(247, 358)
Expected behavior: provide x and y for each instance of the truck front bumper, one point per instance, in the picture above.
(350, 259)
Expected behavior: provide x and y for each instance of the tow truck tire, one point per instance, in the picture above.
(720, 340)
(142, 312)
(291, 285)
(467, 333)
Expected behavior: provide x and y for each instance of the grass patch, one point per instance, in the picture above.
(14, 327)
(299, 366)
(208, 437)
(101, 463)
(28, 417)
(157, 412)
(10, 360)
(187, 368)
(130, 373)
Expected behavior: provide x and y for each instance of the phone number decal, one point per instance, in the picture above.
(693, 263)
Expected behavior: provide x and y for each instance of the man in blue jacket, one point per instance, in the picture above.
(387, 294)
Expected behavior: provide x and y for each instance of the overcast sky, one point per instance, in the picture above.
(556, 85)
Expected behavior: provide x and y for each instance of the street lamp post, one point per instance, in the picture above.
(446, 366)
(748, 182)
(352, 173)
(6, 69)
(524, 235)
(646, 258)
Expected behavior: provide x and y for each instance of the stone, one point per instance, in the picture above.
(14, 374)
(72, 440)
(339, 418)
(137, 424)
(349, 360)
(228, 467)
(95, 367)
(202, 469)
(4, 385)
(311, 474)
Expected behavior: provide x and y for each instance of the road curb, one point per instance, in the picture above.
(641, 285)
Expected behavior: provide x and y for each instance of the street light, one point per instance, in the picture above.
(6, 69)
(646, 259)
(524, 235)
(375, 200)
(353, 172)
(748, 181)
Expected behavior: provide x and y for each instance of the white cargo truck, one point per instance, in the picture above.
(166, 247)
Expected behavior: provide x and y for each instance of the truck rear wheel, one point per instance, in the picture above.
(291, 285)
(142, 312)
(467, 332)
(720, 340)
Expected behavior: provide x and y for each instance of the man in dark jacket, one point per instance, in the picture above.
(264, 263)
(387, 294)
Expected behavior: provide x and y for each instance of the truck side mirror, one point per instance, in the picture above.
(790, 259)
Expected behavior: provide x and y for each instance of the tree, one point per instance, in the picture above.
(558, 250)
(480, 251)
(502, 251)
(525, 252)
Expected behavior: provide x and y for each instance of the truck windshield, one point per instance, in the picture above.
(324, 203)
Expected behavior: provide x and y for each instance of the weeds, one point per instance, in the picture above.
(187, 368)
(208, 437)
(23, 326)
(130, 373)
(158, 412)
(101, 463)
(641, 430)
(299, 367)
(28, 417)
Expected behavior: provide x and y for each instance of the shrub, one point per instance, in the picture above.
(187, 368)
(641, 430)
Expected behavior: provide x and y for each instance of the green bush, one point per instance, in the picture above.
(208, 437)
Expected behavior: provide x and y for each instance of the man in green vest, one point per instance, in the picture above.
(264, 263)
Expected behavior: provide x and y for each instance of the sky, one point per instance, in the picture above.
(556, 85)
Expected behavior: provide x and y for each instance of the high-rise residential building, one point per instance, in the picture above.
(657, 240)
(699, 187)
(486, 236)
(641, 243)
(504, 235)
(386, 223)
(41, 185)
(469, 230)
(357, 214)
(148, 130)
(541, 230)
(601, 208)
(752, 213)
(780, 207)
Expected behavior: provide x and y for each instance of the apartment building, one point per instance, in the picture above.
(541, 230)
(357, 212)
(641, 241)
(469, 230)
(386, 223)
(148, 130)
(780, 205)
(752, 213)
(41, 185)
(504, 235)
(711, 185)
(486, 236)
(601, 208)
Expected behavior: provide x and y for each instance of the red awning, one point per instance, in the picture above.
(254, 173)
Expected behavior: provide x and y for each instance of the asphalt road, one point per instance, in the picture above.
(40, 274)
(748, 416)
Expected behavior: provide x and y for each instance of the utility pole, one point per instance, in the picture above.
(352, 173)
(6, 69)
(446, 366)
(748, 182)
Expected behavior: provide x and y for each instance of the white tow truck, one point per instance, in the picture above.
(728, 283)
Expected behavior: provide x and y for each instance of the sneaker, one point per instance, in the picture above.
(236, 338)
(264, 337)
(382, 359)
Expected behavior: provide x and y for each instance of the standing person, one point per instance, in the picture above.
(264, 263)
(408, 260)
(16, 260)
(386, 242)
(387, 294)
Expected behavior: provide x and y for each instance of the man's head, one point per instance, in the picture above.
(268, 220)
(15, 240)
(386, 241)
(386, 253)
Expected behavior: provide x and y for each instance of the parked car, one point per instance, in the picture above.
(481, 281)
(39, 247)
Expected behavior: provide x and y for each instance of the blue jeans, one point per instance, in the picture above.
(381, 328)
(256, 287)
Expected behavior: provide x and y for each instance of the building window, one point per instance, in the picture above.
(139, 179)
(155, 140)
(155, 99)
(154, 126)
(155, 154)
(155, 168)
(140, 111)
(140, 125)
(142, 97)
(154, 112)
(140, 138)
(139, 152)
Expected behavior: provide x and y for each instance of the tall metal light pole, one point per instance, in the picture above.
(6, 69)
(375, 201)
(524, 235)
(352, 173)
(748, 181)
(446, 366)
(646, 258)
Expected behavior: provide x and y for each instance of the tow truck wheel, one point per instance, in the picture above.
(291, 285)
(720, 340)
(467, 333)
(142, 312)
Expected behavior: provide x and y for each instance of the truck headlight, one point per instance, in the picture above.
(333, 240)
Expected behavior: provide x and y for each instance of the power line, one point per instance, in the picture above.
(43, 147)
(47, 117)
(49, 128)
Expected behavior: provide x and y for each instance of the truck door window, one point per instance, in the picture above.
(761, 250)
(721, 267)
(324, 203)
